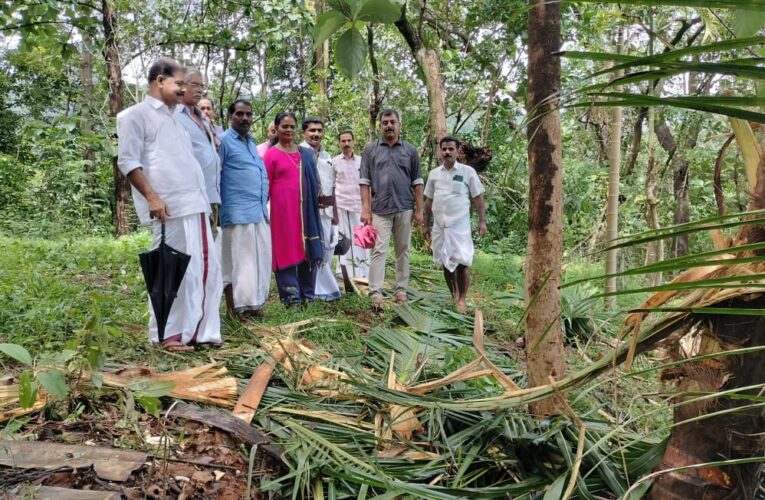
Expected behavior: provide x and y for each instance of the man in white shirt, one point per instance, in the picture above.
(155, 153)
(313, 133)
(448, 193)
(355, 262)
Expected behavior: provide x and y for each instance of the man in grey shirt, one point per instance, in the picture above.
(202, 140)
(391, 186)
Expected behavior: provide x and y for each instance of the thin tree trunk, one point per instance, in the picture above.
(719, 161)
(86, 99)
(612, 204)
(678, 157)
(376, 101)
(655, 249)
(116, 103)
(637, 137)
(429, 62)
(544, 336)
(322, 66)
(492, 93)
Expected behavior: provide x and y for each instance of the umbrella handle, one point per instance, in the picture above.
(163, 232)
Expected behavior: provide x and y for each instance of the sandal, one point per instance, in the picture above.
(176, 346)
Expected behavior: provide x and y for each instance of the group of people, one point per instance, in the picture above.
(281, 205)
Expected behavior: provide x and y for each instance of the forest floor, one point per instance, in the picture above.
(88, 296)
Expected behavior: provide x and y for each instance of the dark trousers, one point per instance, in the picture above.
(296, 283)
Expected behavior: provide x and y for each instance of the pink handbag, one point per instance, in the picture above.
(365, 236)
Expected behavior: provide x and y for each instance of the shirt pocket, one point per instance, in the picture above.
(459, 187)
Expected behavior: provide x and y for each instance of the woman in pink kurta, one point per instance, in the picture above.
(284, 190)
(295, 233)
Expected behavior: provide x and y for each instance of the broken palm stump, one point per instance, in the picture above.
(725, 427)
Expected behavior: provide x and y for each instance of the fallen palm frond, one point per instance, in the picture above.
(395, 421)
(205, 384)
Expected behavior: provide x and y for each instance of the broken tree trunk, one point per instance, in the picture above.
(723, 428)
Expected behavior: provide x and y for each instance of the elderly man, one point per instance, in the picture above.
(207, 107)
(202, 136)
(355, 262)
(244, 216)
(155, 153)
(391, 186)
(448, 194)
(313, 133)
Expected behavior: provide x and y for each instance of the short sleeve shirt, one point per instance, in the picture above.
(451, 191)
(391, 172)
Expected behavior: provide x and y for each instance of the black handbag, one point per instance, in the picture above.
(343, 245)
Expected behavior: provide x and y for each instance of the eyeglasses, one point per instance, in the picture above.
(197, 85)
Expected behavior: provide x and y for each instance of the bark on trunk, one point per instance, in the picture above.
(655, 249)
(86, 100)
(719, 161)
(544, 337)
(116, 103)
(376, 98)
(637, 137)
(678, 156)
(321, 67)
(612, 203)
(429, 62)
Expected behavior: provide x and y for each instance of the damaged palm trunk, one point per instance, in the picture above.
(723, 428)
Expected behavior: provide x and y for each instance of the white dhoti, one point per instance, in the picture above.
(453, 245)
(326, 285)
(195, 314)
(247, 264)
(356, 259)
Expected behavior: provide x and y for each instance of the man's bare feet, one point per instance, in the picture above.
(461, 307)
(377, 303)
(401, 297)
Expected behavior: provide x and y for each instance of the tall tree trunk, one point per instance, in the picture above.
(719, 161)
(612, 203)
(86, 100)
(490, 103)
(116, 103)
(429, 62)
(678, 156)
(376, 98)
(637, 137)
(655, 249)
(322, 65)
(544, 252)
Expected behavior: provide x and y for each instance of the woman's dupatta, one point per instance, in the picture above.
(309, 180)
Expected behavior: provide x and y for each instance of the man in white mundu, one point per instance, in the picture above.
(155, 153)
(448, 193)
(348, 199)
(244, 216)
(313, 133)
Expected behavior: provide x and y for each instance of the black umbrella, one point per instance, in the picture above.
(163, 269)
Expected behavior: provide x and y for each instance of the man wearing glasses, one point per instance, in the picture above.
(202, 140)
